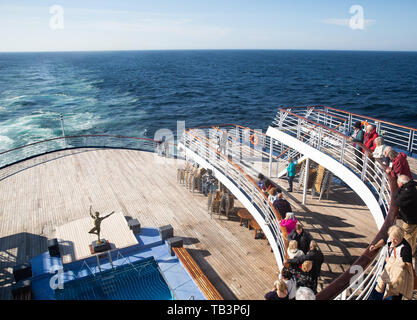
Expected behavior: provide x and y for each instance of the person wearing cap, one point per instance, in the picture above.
(358, 136)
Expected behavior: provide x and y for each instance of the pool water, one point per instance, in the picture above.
(134, 281)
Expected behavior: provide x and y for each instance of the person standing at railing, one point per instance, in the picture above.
(397, 279)
(302, 237)
(282, 205)
(369, 143)
(315, 255)
(279, 292)
(272, 195)
(385, 158)
(358, 136)
(261, 181)
(369, 137)
(289, 281)
(379, 149)
(406, 199)
(291, 173)
(399, 165)
(289, 222)
(305, 277)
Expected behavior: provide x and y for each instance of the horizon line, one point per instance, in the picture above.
(236, 49)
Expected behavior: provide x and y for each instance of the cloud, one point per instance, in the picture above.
(346, 22)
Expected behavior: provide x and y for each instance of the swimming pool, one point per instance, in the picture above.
(140, 280)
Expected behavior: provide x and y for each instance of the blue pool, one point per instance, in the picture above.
(140, 280)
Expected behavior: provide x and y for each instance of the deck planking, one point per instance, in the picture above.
(35, 202)
(60, 187)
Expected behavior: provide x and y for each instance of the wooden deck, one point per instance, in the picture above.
(36, 201)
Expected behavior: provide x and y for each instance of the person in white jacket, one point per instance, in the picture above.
(379, 150)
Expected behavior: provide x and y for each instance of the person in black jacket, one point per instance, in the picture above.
(282, 205)
(305, 276)
(302, 237)
(314, 255)
(406, 199)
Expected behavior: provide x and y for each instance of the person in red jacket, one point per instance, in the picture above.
(399, 165)
(369, 142)
(370, 136)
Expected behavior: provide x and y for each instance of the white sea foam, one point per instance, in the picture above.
(81, 121)
(5, 143)
(14, 98)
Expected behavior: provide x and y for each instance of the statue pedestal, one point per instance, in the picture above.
(96, 247)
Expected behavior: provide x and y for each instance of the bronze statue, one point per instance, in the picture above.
(97, 223)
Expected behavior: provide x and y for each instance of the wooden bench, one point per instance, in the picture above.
(198, 276)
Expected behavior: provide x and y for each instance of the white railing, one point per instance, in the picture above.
(364, 281)
(250, 148)
(207, 148)
(337, 145)
(11, 161)
(244, 148)
(402, 137)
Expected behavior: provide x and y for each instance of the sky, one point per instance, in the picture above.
(83, 25)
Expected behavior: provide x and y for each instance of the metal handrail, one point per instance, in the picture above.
(401, 136)
(11, 160)
(386, 184)
(330, 141)
(207, 149)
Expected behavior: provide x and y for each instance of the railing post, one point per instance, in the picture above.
(410, 142)
(227, 165)
(365, 165)
(253, 193)
(298, 127)
(307, 171)
(381, 191)
(378, 127)
(320, 138)
(342, 153)
(349, 121)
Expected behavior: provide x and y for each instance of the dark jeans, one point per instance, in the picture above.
(290, 180)
(359, 161)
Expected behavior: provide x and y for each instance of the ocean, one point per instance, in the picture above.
(135, 93)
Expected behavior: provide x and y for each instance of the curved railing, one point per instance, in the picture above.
(402, 137)
(12, 160)
(359, 280)
(206, 148)
(338, 146)
(349, 285)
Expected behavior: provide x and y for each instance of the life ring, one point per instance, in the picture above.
(254, 139)
(364, 123)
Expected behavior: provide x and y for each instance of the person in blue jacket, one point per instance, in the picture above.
(291, 173)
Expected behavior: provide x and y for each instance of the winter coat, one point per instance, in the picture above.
(289, 224)
(357, 137)
(316, 256)
(302, 239)
(406, 199)
(398, 280)
(306, 279)
(283, 206)
(291, 169)
(379, 152)
(400, 166)
(294, 254)
(369, 139)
